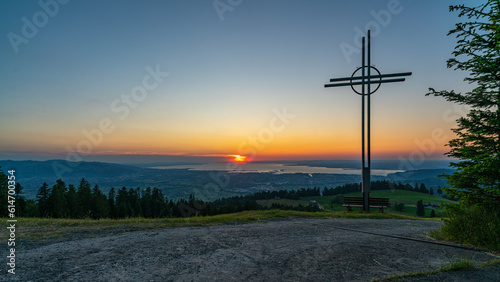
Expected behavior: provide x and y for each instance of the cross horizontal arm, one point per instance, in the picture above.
(360, 82)
(371, 76)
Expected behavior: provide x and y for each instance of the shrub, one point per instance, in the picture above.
(337, 200)
(433, 213)
(399, 207)
(420, 208)
(477, 225)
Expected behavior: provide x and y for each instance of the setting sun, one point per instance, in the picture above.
(239, 158)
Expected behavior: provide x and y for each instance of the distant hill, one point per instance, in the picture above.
(427, 176)
(375, 164)
(32, 174)
(80, 169)
(180, 183)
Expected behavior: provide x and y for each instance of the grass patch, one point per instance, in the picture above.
(409, 198)
(40, 229)
(286, 202)
(406, 197)
(459, 264)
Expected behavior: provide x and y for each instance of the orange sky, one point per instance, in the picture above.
(180, 81)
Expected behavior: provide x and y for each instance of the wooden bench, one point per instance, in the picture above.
(381, 203)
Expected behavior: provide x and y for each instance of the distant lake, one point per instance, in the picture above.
(276, 168)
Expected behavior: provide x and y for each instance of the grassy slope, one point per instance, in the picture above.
(288, 202)
(409, 198)
(40, 229)
(34, 229)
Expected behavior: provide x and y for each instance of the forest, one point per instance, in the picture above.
(87, 201)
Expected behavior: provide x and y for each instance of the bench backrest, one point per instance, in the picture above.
(372, 201)
(353, 200)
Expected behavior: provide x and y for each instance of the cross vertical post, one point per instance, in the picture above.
(366, 92)
(365, 171)
(367, 168)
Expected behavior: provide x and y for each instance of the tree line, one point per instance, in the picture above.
(379, 185)
(87, 201)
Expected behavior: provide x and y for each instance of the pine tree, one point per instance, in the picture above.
(122, 204)
(56, 202)
(423, 189)
(477, 145)
(111, 203)
(31, 208)
(420, 208)
(84, 194)
(100, 207)
(4, 187)
(433, 213)
(72, 201)
(134, 202)
(146, 203)
(20, 200)
(42, 199)
(159, 206)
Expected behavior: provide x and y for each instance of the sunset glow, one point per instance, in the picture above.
(239, 158)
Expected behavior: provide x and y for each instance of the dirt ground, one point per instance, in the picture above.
(276, 250)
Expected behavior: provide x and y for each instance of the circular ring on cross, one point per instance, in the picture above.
(366, 80)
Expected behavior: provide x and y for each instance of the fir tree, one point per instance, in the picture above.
(72, 201)
(56, 203)
(4, 187)
(42, 199)
(146, 203)
(477, 145)
(423, 189)
(122, 204)
(100, 207)
(20, 200)
(433, 213)
(31, 209)
(420, 208)
(84, 195)
(111, 203)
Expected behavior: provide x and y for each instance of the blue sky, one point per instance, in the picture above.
(228, 71)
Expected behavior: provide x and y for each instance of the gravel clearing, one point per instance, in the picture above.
(275, 250)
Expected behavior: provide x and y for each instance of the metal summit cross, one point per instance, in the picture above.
(367, 79)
